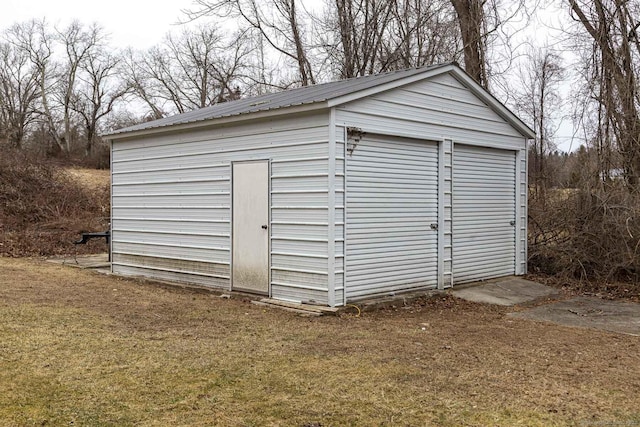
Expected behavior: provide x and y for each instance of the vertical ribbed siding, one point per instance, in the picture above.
(392, 193)
(172, 202)
(523, 213)
(445, 220)
(340, 189)
(484, 204)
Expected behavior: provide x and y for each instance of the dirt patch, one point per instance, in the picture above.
(87, 349)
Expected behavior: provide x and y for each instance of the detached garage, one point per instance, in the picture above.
(376, 185)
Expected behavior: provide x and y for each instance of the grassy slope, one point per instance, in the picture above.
(85, 349)
(44, 208)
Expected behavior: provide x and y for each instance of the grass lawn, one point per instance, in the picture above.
(77, 348)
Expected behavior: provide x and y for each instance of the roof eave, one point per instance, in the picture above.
(256, 115)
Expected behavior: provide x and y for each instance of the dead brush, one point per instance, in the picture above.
(43, 210)
(588, 233)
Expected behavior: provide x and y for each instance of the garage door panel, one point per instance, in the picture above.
(392, 199)
(483, 208)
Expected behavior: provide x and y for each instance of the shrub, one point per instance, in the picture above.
(586, 233)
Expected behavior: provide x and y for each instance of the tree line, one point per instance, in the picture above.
(61, 86)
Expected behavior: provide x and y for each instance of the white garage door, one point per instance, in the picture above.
(484, 206)
(392, 200)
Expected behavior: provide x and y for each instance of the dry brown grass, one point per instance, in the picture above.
(93, 179)
(83, 349)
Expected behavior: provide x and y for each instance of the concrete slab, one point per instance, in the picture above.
(93, 261)
(508, 291)
(589, 312)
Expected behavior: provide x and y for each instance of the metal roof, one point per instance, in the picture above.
(339, 91)
(287, 98)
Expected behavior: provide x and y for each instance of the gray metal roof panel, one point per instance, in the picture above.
(287, 98)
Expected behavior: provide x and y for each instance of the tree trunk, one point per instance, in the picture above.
(470, 19)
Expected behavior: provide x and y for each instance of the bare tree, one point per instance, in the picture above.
(355, 33)
(360, 37)
(422, 33)
(486, 38)
(539, 101)
(138, 80)
(35, 40)
(78, 43)
(99, 90)
(612, 26)
(195, 69)
(19, 91)
(277, 22)
(471, 20)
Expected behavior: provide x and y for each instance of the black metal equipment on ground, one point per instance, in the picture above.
(96, 235)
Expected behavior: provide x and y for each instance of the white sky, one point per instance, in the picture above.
(136, 23)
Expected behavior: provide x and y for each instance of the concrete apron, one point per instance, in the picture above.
(97, 262)
(506, 291)
(588, 312)
(582, 312)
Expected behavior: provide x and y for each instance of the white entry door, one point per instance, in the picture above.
(250, 257)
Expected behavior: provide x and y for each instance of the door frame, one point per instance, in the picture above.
(231, 237)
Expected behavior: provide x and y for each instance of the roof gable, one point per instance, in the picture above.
(323, 95)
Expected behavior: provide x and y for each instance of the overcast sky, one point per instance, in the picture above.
(136, 23)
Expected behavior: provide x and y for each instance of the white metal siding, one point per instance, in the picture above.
(172, 197)
(392, 197)
(523, 213)
(484, 204)
(434, 109)
(340, 219)
(445, 220)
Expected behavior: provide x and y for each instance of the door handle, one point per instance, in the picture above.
(512, 222)
(264, 227)
(434, 226)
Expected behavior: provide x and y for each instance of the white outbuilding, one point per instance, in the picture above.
(376, 185)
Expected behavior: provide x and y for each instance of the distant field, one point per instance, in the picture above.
(77, 348)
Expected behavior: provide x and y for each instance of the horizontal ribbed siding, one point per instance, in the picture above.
(171, 204)
(434, 109)
(391, 202)
(484, 184)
